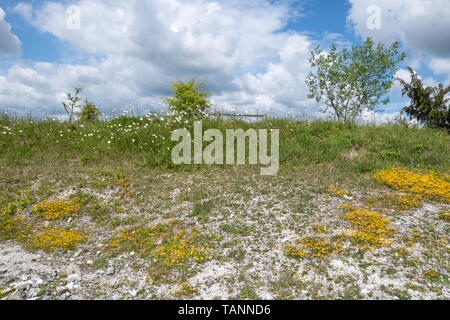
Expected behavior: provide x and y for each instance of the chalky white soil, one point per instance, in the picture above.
(248, 264)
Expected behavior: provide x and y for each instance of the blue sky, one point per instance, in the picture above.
(252, 55)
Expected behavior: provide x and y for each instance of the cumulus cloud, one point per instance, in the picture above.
(9, 43)
(422, 25)
(378, 118)
(281, 87)
(137, 48)
(440, 66)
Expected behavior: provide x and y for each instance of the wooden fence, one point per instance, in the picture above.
(220, 115)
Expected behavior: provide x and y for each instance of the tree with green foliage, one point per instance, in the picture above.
(350, 81)
(188, 99)
(72, 103)
(429, 105)
(89, 112)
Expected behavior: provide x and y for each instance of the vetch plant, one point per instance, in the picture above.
(312, 246)
(398, 202)
(169, 247)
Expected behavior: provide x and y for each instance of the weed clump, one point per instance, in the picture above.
(124, 186)
(430, 275)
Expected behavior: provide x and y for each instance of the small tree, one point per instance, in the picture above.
(429, 105)
(89, 112)
(350, 81)
(72, 103)
(188, 99)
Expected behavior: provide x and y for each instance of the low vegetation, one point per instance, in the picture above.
(356, 211)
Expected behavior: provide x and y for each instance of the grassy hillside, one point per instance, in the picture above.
(146, 141)
(355, 212)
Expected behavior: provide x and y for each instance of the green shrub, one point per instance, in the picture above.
(188, 100)
(89, 113)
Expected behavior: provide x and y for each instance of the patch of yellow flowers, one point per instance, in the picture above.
(178, 249)
(444, 215)
(16, 226)
(337, 191)
(430, 274)
(411, 238)
(55, 239)
(372, 230)
(397, 202)
(185, 289)
(13, 227)
(56, 209)
(125, 186)
(169, 249)
(428, 184)
(311, 246)
(139, 239)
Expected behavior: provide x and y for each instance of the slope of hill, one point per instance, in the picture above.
(100, 211)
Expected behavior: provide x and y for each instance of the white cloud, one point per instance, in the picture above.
(422, 25)
(440, 66)
(377, 117)
(281, 87)
(403, 74)
(9, 43)
(24, 9)
(137, 48)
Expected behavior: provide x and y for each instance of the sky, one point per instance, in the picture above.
(253, 55)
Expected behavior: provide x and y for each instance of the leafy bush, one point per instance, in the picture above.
(89, 113)
(188, 100)
(429, 105)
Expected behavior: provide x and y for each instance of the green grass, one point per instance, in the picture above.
(146, 142)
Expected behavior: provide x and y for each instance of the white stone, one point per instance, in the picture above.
(73, 278)
(61, 290)
(24, 285)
